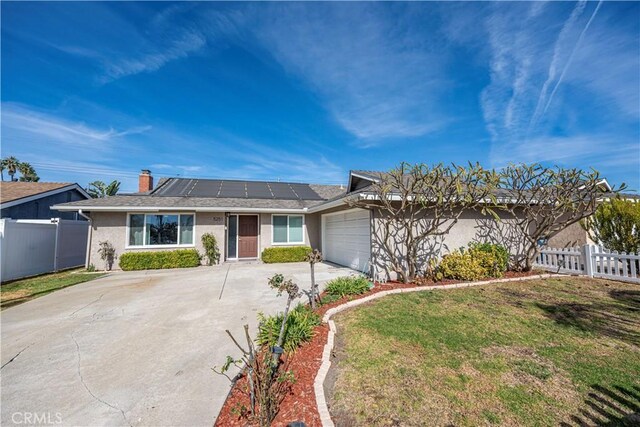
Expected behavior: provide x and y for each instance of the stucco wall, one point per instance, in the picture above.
(573, 235)
(311, 231)
(111, 226)
(472, 226)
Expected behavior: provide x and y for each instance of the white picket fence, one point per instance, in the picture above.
(592, 261)
(29, 246)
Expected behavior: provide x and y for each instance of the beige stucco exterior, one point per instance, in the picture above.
(472, 226)
(573, 235)
(112, 227)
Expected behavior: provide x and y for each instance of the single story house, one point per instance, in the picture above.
(247, 217)
(33, 200)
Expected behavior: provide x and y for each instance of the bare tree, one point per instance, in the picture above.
(543, 201)
(417, 203)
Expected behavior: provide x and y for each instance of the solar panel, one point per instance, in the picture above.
(258, 190)
(281, 190)
(206, 188)
(181, 187)
(305, 192)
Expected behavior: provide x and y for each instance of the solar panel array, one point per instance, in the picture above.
(181, 187)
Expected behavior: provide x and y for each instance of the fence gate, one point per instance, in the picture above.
(29, 247)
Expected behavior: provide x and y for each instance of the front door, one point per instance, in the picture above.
(247, 236)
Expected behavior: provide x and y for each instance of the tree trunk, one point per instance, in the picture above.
(275, 357)
(314, 291)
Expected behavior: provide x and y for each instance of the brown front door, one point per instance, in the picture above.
(248, 236)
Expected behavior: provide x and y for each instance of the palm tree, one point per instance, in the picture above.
(98, 189)
(112, 188)
(11, 164)
(2, 169)
(28, 173)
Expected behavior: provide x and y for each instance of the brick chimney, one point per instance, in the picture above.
(145, 181)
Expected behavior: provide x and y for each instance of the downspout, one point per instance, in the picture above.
(89, 235)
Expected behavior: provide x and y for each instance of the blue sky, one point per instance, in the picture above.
(305, 92)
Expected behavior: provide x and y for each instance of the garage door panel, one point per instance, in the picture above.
(347, 238)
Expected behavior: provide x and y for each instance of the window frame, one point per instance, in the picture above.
(288, 242)
(144, 228)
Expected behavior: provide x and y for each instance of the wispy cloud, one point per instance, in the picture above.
(179, 47)
(19, 121)
(377, 81)
(545, 98)
(550, 81)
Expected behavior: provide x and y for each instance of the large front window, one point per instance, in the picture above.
(157, 229)
(287, 229)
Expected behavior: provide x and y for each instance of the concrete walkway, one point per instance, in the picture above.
(135, 348)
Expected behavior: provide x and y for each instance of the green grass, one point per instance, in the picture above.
(530, 353)
(19, 291)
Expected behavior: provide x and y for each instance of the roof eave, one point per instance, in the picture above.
(37, 196)
(88, 208)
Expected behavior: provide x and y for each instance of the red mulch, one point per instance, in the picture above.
(300, 403)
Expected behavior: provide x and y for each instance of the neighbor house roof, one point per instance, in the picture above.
(215, 195)
(14, 192)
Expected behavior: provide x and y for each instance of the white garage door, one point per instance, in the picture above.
(346, 238)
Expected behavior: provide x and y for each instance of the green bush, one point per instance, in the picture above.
(279, 254)
(348, 285)
(480, 261)
(461, 265)
(298, 329)
(499, 252)
(180, 258)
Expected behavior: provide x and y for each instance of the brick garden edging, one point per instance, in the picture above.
(318, 384)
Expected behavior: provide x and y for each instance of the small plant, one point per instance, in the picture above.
(312, 258)
(285, 254)
(280, 284)
(91, 268)
(211, 249)
(348, 285)
(268, 384)
(107, 253)
(299, 327)
(268, 380)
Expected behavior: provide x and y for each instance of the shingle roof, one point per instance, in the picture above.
(155, 200)
(14, 190)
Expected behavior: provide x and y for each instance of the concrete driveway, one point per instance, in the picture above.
(135, 348)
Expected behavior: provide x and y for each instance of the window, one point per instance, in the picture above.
(287, 229)
(166, 229)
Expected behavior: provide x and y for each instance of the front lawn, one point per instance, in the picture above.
(562, 351)
(23, 290)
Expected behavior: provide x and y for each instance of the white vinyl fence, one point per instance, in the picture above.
(29, 247)
(592, 261)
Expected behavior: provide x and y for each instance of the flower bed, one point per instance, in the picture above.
(300, 404)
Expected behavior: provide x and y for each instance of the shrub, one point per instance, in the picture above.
(211, 249)
(478, 262)
(499, 252)
(348, 285)
(616, 225)
(461, 265)
(285, 254)
(180, 258)
(299, 328)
